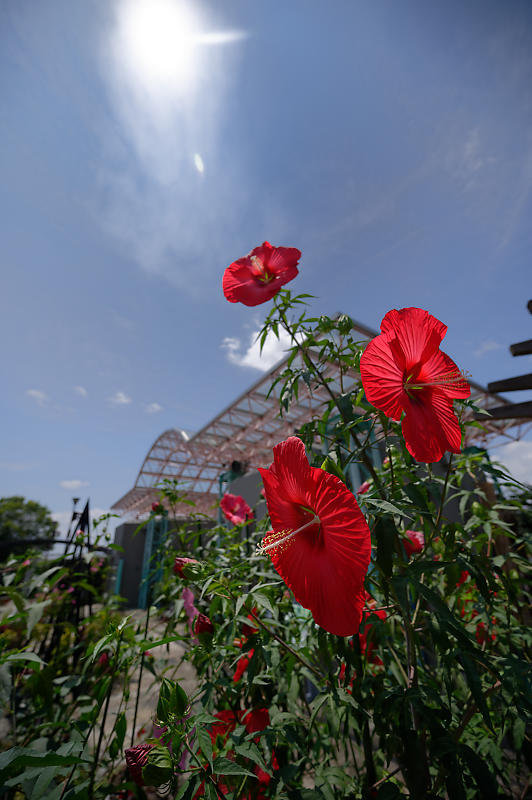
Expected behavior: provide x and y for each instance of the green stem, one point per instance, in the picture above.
(104, 718)
(443, 496)
(310, 364)
(282, 642)
(140, 677)
(219, 792)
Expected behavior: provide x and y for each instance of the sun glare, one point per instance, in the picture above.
(158, 42)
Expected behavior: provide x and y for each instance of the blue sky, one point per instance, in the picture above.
(146, 144)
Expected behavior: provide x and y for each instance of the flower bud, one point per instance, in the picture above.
(203, 625)
(149, 764)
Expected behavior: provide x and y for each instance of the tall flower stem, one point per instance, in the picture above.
(141, 669)
(104, 718)
(437, 524)
(307, 360)
(278, 638)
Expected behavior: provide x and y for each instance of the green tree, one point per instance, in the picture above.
(21, 521)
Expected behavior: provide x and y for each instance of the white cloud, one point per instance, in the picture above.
(198, 163)
(517, 458)
(73, 484)
(153, 408)
(486, 347)
(119, 399)
(81, 391)
(38, 395)
(273, 351)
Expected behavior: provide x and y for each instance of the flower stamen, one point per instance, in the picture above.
(452, 378)
(280, 538)
(262, 273)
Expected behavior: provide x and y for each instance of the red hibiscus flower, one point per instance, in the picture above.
(320, 544)
(258, 276)
(242, 665)
(364, 487)
(403, 369)
(235, 508)
(179, 563)
(413, 542)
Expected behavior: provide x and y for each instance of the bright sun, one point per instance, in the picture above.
(158, 39)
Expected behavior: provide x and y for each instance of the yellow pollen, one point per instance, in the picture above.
(281, 539)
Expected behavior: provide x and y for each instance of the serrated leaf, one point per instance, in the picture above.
(385, 505)
(264, 601)
(223, 766)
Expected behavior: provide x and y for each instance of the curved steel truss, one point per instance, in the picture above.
(247, 430)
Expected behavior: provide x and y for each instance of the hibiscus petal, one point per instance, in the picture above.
(382, 377)
(418, 333)
(284, 258)
(325, 564)
(440, 368)
(241, 286)
(430, 427)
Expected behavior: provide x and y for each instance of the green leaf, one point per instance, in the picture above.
(384, 505)
(475, 685)
(205, 743)
(315, 707)
(264, 601)
(385, 534)
(120, 729)
(484, 779)
(223, 766)
(35, 612)
(330, 465)
(518, 732)
(25, 655)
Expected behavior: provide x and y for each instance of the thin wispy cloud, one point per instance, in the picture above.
(73, 484)
(81, 391)
(15, 466)
(153, 408)
(486, 347)
(119, 399)
(40, 397)
(249, 354)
